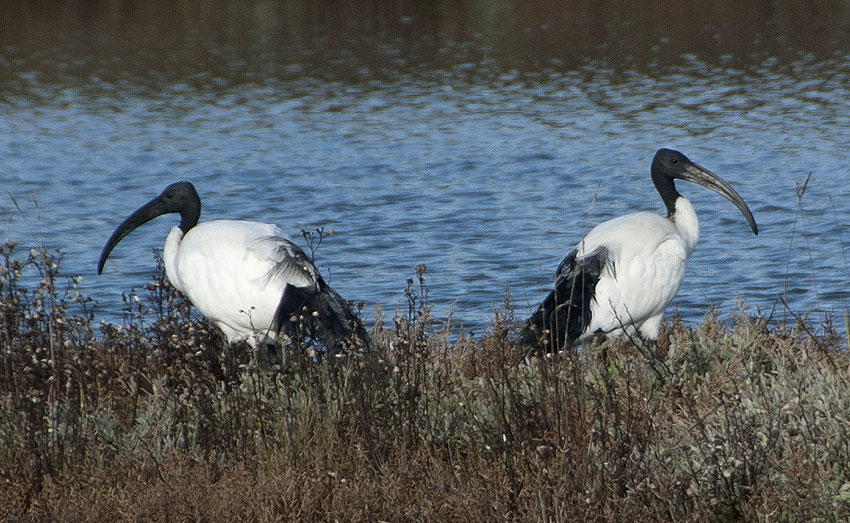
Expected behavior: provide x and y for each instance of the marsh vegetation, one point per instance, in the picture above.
(157, 419)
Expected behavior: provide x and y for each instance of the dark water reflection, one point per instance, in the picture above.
(480, 138)
(214, 45)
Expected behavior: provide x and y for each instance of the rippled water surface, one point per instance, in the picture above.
(479, 138)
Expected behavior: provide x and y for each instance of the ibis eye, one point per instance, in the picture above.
(674, 161)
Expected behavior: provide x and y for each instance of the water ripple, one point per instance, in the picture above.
(468, 153)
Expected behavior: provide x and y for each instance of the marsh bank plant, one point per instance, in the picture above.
(156, 418)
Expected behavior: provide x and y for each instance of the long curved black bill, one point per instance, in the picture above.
(142, 215)
(695, 173)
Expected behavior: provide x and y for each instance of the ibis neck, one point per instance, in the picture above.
(665, 187)
(189, 216)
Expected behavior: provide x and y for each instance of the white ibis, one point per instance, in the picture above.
(246, 277)
(622, 275)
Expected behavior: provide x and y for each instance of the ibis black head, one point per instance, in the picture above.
(179, 197)
(668, 165)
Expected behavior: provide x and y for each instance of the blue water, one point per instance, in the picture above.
(473, 153)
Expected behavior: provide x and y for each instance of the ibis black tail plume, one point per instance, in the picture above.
(325, 316)
(564, 314)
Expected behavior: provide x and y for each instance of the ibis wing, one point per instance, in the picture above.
(587, 266)
(327, 316)
(575, 289)
(291, 266)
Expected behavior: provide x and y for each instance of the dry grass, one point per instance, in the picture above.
(157, 420)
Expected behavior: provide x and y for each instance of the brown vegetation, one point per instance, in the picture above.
(157, 420)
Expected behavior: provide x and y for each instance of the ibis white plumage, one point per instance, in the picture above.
(622, 275)
(246, 277)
